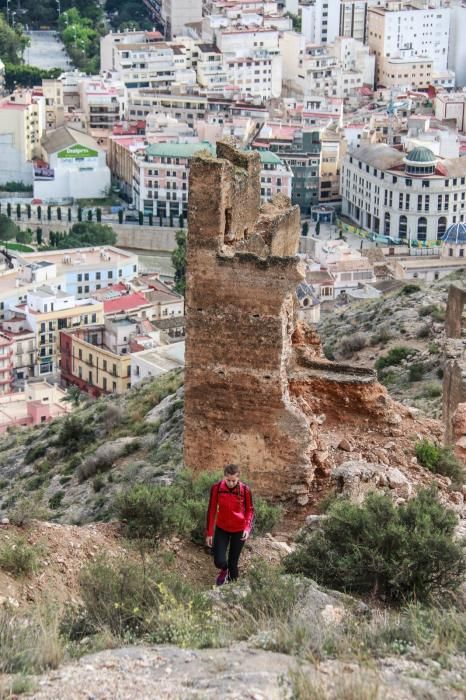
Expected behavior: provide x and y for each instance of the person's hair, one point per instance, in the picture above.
(230, 469)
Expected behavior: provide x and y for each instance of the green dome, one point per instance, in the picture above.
(420, 155)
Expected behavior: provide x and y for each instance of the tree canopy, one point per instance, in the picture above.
(8, 228)
(179, 261)
(85, 233)
(12, 42)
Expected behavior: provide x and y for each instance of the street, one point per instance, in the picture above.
(46, 51)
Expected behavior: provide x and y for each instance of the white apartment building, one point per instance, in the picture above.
(320, 20)
(151, 65)
(354, 17)
(457, 43)
(176, 14)
(259, 73)
(451, 106)
(210, 68)
(129, 36)
(103, 102)
(22, 123)
(399, 27)
(412, 196)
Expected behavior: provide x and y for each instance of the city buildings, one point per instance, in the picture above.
(160, 177)
(413, 196)
(409, 32)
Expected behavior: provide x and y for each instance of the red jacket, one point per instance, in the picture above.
(230, 509)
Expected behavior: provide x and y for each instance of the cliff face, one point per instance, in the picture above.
(258, 391)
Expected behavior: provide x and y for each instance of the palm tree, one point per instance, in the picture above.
(73, 394)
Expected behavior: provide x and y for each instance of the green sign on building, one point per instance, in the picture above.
(77, 151)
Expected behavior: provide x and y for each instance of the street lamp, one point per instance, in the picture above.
(58, 8)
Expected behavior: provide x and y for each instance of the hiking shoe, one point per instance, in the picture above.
(222, 577)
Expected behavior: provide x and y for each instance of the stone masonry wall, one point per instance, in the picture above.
(242, 276)
(454, 379)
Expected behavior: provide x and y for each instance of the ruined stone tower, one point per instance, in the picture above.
(240, 306)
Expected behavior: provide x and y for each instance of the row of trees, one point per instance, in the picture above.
(81, 35)
(60, 213)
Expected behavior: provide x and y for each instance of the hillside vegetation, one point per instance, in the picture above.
(400, 335)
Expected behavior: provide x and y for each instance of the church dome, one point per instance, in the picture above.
(456, 233)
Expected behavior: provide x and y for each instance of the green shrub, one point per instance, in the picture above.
(34, 453)
(424, 331)
(352, 343)
(410, 289)
(440, 460)
(388, 378)
(426, 310)
(401, 553)
(395, 356)
(432, 390)
(135, 599)
(74, 434)
(56, 499)
(150, 511)
(416, 372)
(438, 314)
(19, 558)
(381, 336)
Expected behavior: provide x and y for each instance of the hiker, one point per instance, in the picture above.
(229, 521)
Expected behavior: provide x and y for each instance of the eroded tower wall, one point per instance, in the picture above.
(240, 305)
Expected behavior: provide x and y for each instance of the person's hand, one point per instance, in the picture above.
(208, 541)
(245, 536)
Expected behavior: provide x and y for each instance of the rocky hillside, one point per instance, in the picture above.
(71, 469)
(401, 336)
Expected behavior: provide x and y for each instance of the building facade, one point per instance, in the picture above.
(410, 196)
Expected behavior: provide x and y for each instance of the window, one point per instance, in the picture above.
(97, 275)
(104, 383)
(110, 274)
(104, 365)
(422, 228)
(93, 318)
(114, 370)
(441, 226)
(80, 277)
(80, 354)
(403, 227)
(386, 226)
(80, 290)
(86, 277)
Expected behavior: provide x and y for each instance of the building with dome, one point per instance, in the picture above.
(453, 242)
(414, 196)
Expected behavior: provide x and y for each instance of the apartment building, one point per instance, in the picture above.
(299, 148)
(451, 106)
(103, 102)
(401, 27)
(412, 196)
(46, 312)
(161, 174)
(333, 148)
(22, 123)
(6, 364)
(93, 361)
(78, 271)
(320, 20)
(151, 65)
(210, 68)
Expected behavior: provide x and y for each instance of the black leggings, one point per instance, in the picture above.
(222, 539)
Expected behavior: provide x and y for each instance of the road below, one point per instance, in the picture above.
(46, 50)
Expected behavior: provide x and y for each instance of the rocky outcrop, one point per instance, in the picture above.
(240, 672)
